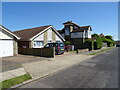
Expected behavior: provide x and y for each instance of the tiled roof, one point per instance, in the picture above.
(60, 31)
(70, 22)
(81, 29)
(26, 34)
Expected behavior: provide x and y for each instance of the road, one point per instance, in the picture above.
(100, 71)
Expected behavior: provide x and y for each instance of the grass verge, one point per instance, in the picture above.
(71, 51)
(100, 51)
(14, 81)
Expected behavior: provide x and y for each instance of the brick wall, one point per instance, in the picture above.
(15, 47)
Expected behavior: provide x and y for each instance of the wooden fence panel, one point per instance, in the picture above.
(43, 52)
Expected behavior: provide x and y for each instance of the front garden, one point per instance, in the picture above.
(96, 42)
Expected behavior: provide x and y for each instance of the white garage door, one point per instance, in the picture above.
(6, 48)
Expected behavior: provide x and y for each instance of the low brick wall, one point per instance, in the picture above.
(43, 52)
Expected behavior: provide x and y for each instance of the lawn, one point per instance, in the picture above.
(71, 51)
(14, 81)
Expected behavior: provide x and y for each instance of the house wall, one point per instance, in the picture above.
(53, 36)
(58, 38)
(77, 42)
(49, 33)
(47, 36)
(23, 44)
(5, 35)
(88, 34)
(77, 35)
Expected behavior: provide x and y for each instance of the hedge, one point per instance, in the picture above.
(89, 44)
(98, 44)
(67, 43)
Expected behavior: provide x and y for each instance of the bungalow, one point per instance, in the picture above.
(8, 42)
(38, 37)
(75, 33)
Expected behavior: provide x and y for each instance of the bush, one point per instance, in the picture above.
(67, 43)
(89, 44)
(98, 44)
(108, 37)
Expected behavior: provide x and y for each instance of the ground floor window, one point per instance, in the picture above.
(49, 41)
(38, 44)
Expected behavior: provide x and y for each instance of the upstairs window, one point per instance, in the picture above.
(67, 31)
(75, 33)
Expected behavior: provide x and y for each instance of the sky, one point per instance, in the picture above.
(102, 16)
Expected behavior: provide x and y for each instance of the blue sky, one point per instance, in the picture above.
(102, 16)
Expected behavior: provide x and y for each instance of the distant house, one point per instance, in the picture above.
(8, 42)
(38, 37)
(75, 33)
(102, 35)
(117, 42)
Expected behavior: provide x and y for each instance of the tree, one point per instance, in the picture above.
(109, 37)
(95, 36)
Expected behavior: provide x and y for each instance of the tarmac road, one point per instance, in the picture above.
(100, 71)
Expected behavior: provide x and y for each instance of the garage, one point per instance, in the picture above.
(6, 48)
(8, 42)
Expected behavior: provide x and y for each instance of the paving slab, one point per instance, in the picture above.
(11, 74)
(42, 68)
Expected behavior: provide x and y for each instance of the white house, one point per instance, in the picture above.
(8, 42)
(38, 37)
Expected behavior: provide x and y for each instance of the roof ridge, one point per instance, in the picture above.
(31, 28)
(86, 26)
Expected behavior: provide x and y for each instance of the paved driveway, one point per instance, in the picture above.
(14, 62)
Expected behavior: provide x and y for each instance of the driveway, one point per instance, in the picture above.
(15, 62)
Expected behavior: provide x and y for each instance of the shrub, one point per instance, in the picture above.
(98, 44)
(67, 43)
(108, 37)
(89, 44)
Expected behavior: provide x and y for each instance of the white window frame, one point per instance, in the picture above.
(37, 45)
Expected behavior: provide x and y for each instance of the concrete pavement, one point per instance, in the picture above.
(11, 74)
(42, 68)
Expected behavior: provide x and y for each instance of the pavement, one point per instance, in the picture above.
(100, 71)
(93, 51)
(42, 68)
(11, 74)
(39, 67)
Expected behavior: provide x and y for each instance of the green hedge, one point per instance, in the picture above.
(110, 42)
(89, 44)
(98, 44)
(67, 43)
